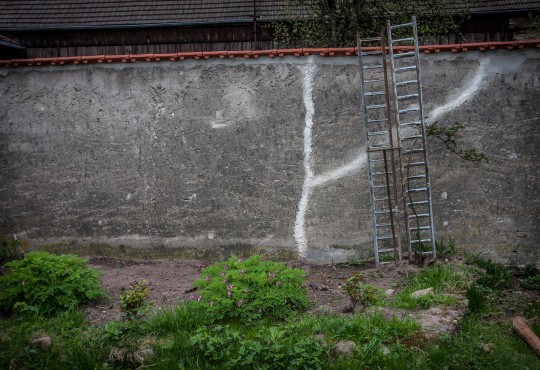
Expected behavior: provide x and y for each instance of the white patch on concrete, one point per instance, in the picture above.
(309, 72)
(463, 95)
(211, 234)
(444, 195)
(129, 196)
(513, 156)
(238, 104)
(346, 170)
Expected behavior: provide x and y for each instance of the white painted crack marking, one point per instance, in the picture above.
(309, 72)
(310, 180)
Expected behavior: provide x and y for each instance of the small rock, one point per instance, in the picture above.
(143, 354)
(385, 350)
(422, 293)
(345, 347)
(323, 288)
(389, 292)
(43, 341)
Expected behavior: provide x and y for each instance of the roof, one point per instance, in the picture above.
(81, 14)
(64, 14)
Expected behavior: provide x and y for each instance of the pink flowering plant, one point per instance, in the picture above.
(249, 289)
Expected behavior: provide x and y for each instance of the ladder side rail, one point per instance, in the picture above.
(401, 159)
(369, 155)
(422, 120)
(394, 216)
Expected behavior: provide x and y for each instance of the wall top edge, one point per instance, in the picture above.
(132, 58)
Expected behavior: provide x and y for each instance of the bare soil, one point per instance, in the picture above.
(170, 282)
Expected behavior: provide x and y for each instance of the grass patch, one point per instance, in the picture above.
(443, 279)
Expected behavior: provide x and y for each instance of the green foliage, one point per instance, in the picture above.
(442, 278)
(445, 249)
(134, 302)
(323, 23)
(476, 295)
(364, 293)
(448, 136)
(10, 250)
(532, 278)
(48, 283)
(277, 347)
(496, 276)
(250, 289)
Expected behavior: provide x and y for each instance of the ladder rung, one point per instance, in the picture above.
(417, 109)
(418, 203)
(376, 160)
(379, 147)
(420, 241)
(382, 212)
(375, 80)
(406, 83)
(420, 215)
(427, 252)
(409, 68)
(377, 133)
(380, 173)
(375, 93)
(417, 190)
(379, 199)
(407, 96)
(404, 55)
(376, 106)
(378, 52)
(385, 238)
(382, 186)
(416, 177)
(385, 250)
(375, 66)
(414, 164)
(420, 228)
(383, 225)
(411, 137)
(368, 39)
(413, 151)
(377, 120)
(411, 123)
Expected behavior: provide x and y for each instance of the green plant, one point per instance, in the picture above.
(496, 276)
(10, 250)
(476, 295)
(447, 135)
(250, 289)
(134, 302)
(445, 249)
(48, 283)
(277, 347)
(364, 293)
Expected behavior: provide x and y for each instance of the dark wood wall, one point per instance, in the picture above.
(45, 44)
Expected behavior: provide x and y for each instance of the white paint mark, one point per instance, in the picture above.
(129, 196)
(513, 156)
(444, 195)
(309, 72)
(463, 95)
(346, 170)
(445, 223)
(211, 234)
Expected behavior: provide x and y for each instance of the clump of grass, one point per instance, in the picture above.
(496, 276)
(442, 278)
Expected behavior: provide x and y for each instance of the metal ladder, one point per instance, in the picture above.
(409, 118)
(381, 149)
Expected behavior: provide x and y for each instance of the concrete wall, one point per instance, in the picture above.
(208, 158)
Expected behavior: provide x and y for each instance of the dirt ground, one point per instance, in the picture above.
(171, 280)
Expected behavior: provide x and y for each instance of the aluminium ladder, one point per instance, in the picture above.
(409, 118)
(396, 144)
(381, 150)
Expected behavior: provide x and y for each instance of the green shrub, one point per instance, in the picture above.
(278, 347)
(361, 292)
(10, 251)
(250, 289)
(496, 276)
(48, 284)
(134, 302)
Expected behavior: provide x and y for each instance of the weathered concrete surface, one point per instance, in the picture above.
(202, 158)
